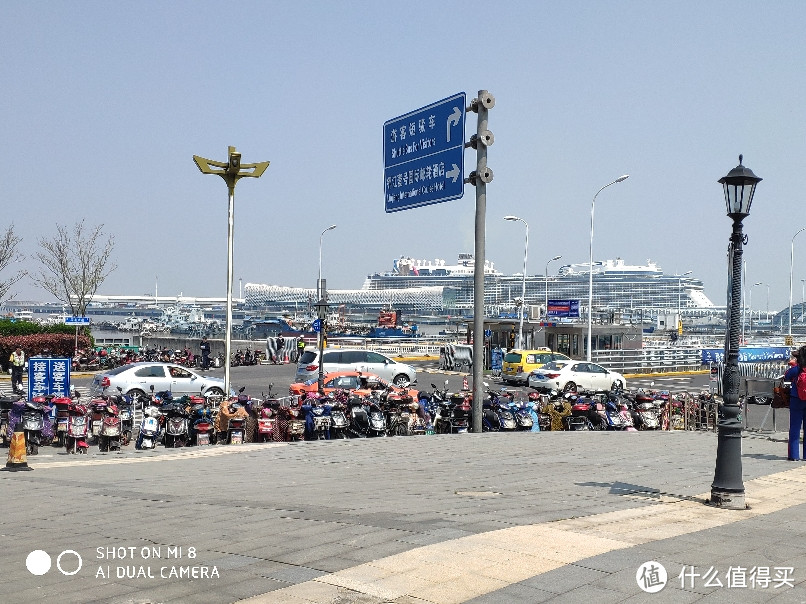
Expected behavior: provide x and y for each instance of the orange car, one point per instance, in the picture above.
(360, 383)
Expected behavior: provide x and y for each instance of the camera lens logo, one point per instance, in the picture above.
(39, 562)
(651, 576)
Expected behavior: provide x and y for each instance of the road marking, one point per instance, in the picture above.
(461, 569)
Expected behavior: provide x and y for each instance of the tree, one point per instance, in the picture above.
(9, 254)
(74, 264)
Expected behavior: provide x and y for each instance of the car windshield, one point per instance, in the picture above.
(512, 357)
(554, 365)
(117, 370)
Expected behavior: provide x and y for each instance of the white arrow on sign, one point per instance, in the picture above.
(453, 119)
(453, 173)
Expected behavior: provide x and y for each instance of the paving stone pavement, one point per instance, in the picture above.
(560, 517)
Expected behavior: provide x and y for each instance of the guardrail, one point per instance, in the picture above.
(650, 360)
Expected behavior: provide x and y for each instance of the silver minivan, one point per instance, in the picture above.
(354, 359)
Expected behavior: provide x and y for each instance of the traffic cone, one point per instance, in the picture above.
(16, 454)
(464, 383)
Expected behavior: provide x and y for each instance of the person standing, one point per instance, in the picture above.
(300, 346)
(797, 406)
(17, 360)
(205, 350)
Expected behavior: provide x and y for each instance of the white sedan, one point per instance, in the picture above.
(575, 375)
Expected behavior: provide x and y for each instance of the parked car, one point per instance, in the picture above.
(354, 359)
(356, 381)
(518, 364)
(574, 375)
(137, 378)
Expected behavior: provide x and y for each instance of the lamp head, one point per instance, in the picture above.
(739, 186)
(511, 218)
(622, 178)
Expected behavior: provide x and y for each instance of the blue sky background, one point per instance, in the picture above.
(104, 104)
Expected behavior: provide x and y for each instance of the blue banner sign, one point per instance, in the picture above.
(750, 354)
(563, 308)
(48, 376)
(423, 155)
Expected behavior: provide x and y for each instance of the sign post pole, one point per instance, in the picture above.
(479, 178)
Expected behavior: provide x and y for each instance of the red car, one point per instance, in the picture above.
(357, 381)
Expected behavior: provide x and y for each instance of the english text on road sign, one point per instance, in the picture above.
(423, 155)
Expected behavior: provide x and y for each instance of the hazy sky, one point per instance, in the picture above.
(104, 105)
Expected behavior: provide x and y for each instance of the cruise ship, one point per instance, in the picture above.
(617, 286)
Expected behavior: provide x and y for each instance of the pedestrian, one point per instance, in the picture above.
(278, 358)
(797, 406)
(300, 346)
(205, 350)
(17, 360)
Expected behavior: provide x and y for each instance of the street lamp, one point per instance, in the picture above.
(750, 304)
(802, 296)
(791, 265)
(321, 313)
(590, 265)
(231, 171)
(319, 289)
(321, 294)
(727, 490)
(523, 289)
(547, 284)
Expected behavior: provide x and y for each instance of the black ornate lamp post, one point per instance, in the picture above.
(727, 490)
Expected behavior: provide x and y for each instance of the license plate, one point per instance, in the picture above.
(236, 438)
(147, 443)
(203, 439)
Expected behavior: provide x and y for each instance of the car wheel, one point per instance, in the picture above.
(569, 386)
(617, 385)
(401, 380)
(215, 391)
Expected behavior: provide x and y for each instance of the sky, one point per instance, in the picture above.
(104, 105)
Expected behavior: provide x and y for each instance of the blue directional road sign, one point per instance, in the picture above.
(316, 325)
(76, 320)
(423, 155)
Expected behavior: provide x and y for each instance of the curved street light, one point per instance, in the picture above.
(319, 288)
(590, 265)
(523, 288)
(791, 266)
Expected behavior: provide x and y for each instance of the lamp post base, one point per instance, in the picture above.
(727, 500)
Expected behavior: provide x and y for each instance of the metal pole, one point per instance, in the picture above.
(228, 334)
(546, 311)
(590, 265)
(478, 269)
(523, 289)
(727, 490)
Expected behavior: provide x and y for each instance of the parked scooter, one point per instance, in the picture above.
(38, 430)
(175, 424)
(97, 410)
(77, 428)
(6, 403)
(109, 435)
(453, 415)
(150, 428)
(200, 423)
(317, 418)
